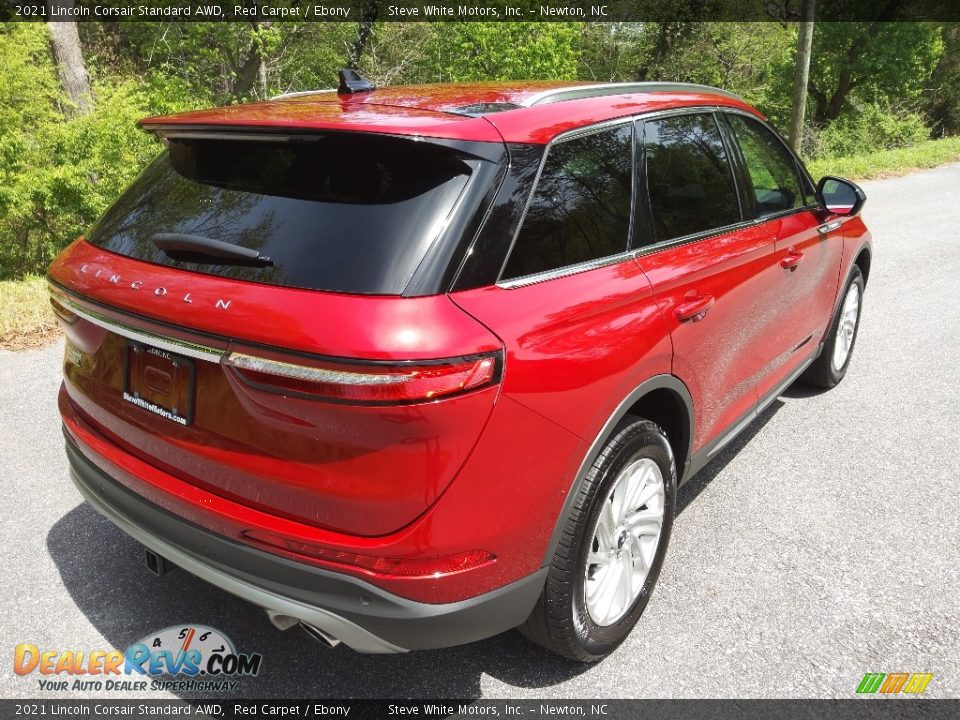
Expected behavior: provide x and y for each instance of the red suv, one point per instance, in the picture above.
(412, 366)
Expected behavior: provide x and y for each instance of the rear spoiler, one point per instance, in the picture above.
(323, 114)
(494, 152)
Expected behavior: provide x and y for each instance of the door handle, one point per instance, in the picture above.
(828, 227)
(694, 310)
(791, 260)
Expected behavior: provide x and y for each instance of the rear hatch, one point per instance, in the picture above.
(262, 315)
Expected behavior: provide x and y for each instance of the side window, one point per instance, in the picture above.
(772, 170)
(580, 209)
(688, 176)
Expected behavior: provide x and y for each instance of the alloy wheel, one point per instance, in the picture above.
(625, 539)
(846, 328)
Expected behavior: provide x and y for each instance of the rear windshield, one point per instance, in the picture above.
(344, 213)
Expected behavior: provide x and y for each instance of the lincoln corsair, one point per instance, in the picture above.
(411, 366)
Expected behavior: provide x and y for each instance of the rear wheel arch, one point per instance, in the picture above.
(662, 399)
(863, 262)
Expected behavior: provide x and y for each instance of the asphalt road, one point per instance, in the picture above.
(822, 544)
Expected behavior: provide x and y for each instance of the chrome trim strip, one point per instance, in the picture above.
(164, 342)
(579, 92)
(564, 271)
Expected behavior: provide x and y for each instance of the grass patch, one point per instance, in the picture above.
(889, 163)
(26, 319)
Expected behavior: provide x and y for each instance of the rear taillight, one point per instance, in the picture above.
(396, 567)
(366, 382)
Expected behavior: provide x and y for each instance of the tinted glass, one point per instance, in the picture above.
(688, 176)
(580, 209)
(775, 183)
(351, 214)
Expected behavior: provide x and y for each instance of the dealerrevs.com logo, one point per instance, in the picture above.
(893, 683)
(200, 658)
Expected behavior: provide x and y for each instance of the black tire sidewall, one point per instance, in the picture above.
(596, 639)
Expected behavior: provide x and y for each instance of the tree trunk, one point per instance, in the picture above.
(252, 71)
(68, 56)
(364, 30)
(801, 74)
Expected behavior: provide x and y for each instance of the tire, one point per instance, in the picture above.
(825, 372)
(563, 619)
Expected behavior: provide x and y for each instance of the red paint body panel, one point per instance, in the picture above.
(808, 291)
(722, 357)
(347, 116)
(541, 123)
(366, 470)
(488, 507)
(581, 344)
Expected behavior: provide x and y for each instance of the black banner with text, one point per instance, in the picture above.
(473, 10)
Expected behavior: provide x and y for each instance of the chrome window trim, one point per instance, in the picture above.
(580, 92)
(164, 342)
(561, 138)
(571, 135)
(634, 253)
(565, 271)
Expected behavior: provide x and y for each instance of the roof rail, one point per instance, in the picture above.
(578, 92)
(300, 93)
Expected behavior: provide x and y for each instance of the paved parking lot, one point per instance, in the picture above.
(820, 545)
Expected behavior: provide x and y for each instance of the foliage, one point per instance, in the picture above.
(874, 62)
(943, 100)
(870, 129)
(58, 175)
(460, 52)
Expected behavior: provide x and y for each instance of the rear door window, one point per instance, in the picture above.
(345, 213)
(580, 210)
(689, 180)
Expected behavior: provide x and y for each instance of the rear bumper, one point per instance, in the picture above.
(357, 613)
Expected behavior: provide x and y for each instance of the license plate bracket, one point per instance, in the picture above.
(160, 382)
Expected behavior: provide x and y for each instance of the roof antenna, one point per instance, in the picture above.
(352, 82)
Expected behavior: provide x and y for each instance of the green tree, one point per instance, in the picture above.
(872, 62)
(944, 102)
(501, 51)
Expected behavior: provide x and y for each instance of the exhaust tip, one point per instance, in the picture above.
(157, 564)
(281, 621)
(321, 636)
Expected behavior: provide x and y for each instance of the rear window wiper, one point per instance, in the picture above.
(200, 249)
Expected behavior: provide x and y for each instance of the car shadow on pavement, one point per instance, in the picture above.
(104, 571)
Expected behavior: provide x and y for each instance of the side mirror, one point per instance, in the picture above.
(839, 196)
